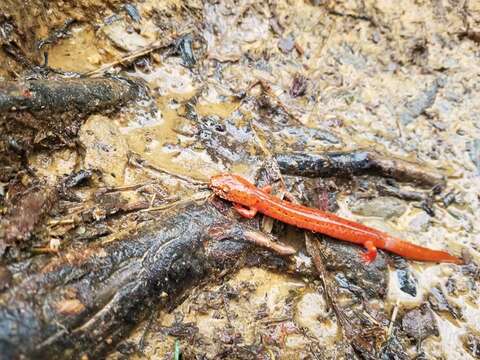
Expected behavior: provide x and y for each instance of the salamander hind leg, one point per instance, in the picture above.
(371, 253)
(248, 213)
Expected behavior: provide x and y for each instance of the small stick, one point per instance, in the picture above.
(53, 223)
(43, 250)
(195, 197)
(268, 90)
(126, 187)
(394, 317)
(263, 240)
(136, 54)
(139, 162)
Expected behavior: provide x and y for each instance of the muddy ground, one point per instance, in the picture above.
(228, 85)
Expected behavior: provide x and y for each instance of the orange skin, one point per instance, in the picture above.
(248, 200)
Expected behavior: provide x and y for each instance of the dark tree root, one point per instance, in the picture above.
(46, 113)
(58, 96)
(347, 164)
(87, 300)
(49, 113)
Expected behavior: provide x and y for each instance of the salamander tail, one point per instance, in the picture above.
(420, 253)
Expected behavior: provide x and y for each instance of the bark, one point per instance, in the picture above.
(356, 163)
(89, 299)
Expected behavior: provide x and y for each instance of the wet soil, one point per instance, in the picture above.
(232, 85)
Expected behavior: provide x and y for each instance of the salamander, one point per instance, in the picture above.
(247, 199)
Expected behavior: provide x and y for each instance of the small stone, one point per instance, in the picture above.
(286, 44)
(132, 11)
(299, 86)
(420, 323)
(126, 40)
(385, 207)
(407, 282)
(70, 307)
(471, 343)
(55, 244)
(440, 304)
(376, 37)
(420, 223)
(393, 350)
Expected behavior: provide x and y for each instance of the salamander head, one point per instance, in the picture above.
(233, 188)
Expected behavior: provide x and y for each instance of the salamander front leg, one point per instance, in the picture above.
(248, 213)
(371, 253)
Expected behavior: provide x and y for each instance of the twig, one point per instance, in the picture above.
(352, 16)
(143, 163)
(268, 90)
(126, 187)
(165, 42)
(43, 250)
(285, 193)
(141, 343)
(269, 155)
(314, 251)
(225, 307)
(358, 162)
(195, 197)
(393, 318)
(53, 223)
(275, 321)
(263, 240)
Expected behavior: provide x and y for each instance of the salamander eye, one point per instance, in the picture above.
(225, 188)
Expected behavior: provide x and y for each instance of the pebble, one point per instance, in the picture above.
(420, 223)
(385, 207)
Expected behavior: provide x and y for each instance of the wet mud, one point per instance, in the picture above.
(368, 109)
